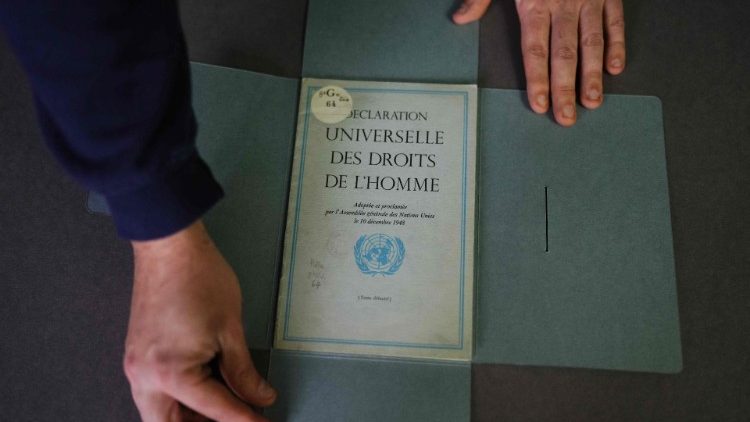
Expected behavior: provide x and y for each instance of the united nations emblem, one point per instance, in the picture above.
(379, 254)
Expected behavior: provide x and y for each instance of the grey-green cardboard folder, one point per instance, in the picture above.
(575, 262)
(575, 255)
(246, 134)
(574, 249)
(325, 388)
(389, 40)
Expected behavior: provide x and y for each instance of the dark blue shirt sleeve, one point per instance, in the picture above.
(111, 84)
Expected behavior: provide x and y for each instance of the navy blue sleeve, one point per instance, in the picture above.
(111, 84)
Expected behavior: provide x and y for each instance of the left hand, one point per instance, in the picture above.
(186, 313)
(561, 23)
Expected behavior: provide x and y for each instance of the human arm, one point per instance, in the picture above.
(111, 84)
(185, 313)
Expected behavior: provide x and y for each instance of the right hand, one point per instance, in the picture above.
(553, 33)
(185, 313)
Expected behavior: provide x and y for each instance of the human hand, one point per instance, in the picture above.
(566, 25)
(184, 314)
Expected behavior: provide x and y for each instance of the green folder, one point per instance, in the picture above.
(575, 261)
(389, 40)
(575, 264)
(574, 247)
(325, 388)
(246, 134)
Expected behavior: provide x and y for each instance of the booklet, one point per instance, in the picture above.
(379, 244)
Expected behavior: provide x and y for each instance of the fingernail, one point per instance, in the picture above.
(541, 99)
(616, 63)
(265, 389)
(593, 94)
(568, 111)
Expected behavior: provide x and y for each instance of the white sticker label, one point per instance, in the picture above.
(331, 104)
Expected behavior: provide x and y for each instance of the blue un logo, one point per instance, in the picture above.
(379, 254)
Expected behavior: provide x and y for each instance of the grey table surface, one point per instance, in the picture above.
(65, 276)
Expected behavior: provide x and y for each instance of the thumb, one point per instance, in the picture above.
(470, 11)
(240, 374)
(155, 406)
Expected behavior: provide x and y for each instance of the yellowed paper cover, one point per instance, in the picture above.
(379, 246)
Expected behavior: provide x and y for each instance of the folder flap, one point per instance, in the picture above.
(245, 134)
(389, 40)
(332, 388)
(576, 263)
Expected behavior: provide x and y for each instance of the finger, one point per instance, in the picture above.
(156, 407)
(208, 397)
(470, 11)
(564, 60)
(535, 48)
(614, 16)
(240, 374)
(189, 415)
(592, 54)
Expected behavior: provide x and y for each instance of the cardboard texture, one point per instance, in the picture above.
(325, 388)
(576, 266)
(246, 132)
(389, 40)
